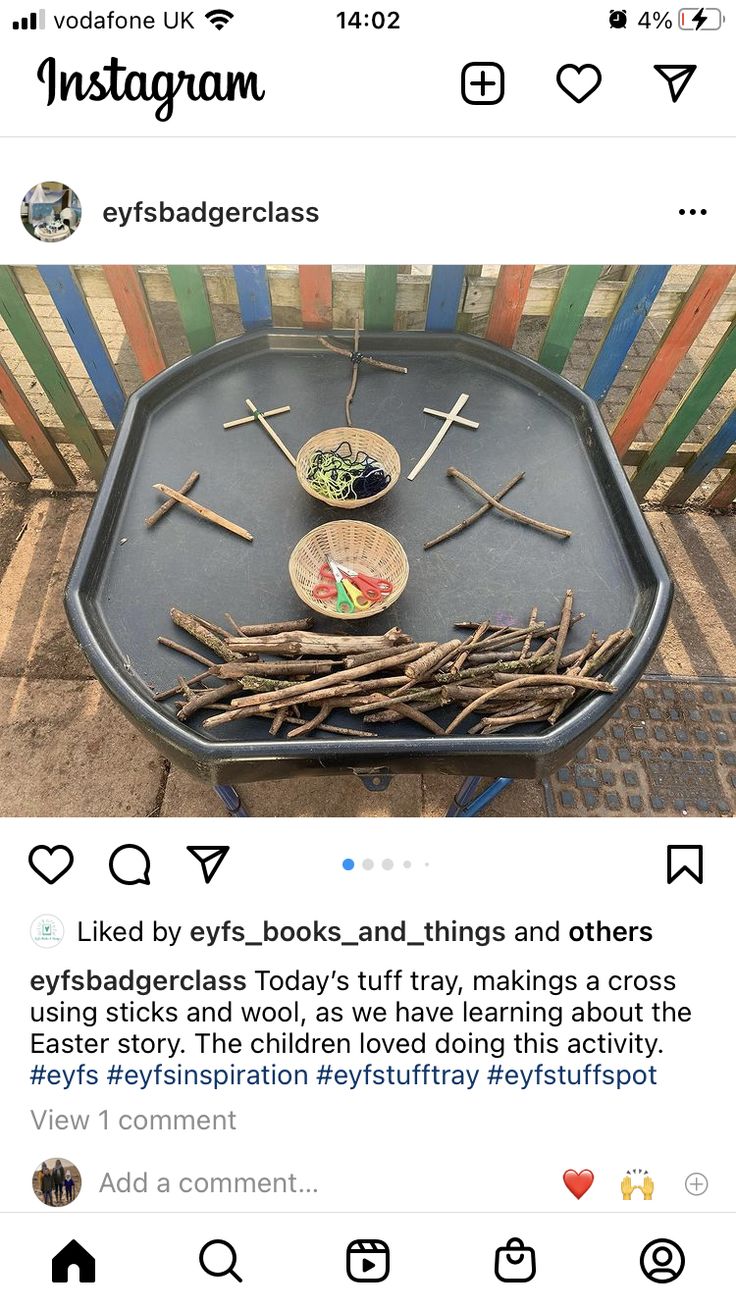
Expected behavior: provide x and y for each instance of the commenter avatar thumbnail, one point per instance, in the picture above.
(57, 1182)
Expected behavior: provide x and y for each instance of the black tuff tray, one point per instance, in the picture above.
(126, 577)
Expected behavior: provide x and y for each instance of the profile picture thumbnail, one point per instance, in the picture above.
(51, 211)
(57, 1182)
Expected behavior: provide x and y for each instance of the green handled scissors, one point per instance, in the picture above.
(346, 596)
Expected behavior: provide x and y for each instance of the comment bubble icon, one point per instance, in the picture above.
(130, 865)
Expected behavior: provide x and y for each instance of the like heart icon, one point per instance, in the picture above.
(579, 80)
(578, 1183)
(51, 861)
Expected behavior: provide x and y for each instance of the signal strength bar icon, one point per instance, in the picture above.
(33, 23)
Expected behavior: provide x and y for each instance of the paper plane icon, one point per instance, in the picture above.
(677, 77)
(684, 859)
(209, 858)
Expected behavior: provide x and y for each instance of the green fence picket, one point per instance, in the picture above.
(572, 301)
(194, 306)
(24, 326)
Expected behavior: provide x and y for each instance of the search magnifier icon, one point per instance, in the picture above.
(227, 1258)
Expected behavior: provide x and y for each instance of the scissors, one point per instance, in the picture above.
(347, 597)
(372, 588)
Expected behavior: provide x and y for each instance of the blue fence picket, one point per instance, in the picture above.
(630, 314)
(703, 463)
(254, 295)
(444, 297)
(74, 311)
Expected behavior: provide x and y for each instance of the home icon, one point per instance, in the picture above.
(73, 1255)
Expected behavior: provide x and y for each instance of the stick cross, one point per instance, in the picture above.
(178, 497)
(356, 359)
(257, 416)
(452, 417)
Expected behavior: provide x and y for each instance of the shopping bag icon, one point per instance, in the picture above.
(515, 1262)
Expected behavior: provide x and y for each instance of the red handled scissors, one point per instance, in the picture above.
(361, 589)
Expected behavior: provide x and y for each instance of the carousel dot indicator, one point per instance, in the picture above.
(407, 863)
(348, 864)
(368, 863)
(387, 864)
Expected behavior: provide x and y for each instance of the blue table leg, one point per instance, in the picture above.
(469, 805)
(232, 801)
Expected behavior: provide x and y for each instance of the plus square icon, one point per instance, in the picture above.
(483, 84)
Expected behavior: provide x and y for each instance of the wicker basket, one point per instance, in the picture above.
(361, 442)
(362, 546)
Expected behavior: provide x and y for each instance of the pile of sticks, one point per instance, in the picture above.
(501, 676)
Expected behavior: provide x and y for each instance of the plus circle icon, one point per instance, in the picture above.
(483, 84)
(696, 1184)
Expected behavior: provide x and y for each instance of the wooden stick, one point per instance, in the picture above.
(528, 638)
(206, 698)
(312, 724)
(213, 627)
(184, 649)
(268, 428)
(583, 683)
(193, 627)
(334, 679)
(611, 646)
(579, 656)
(272, 629)
(467, 646)
(268, 413)
(294, 644)
(408, 711)
(431, 661)
(207, 514)
(473, 518)
(563, 630)
(504, 509)
(175, 690)
(250, 665)
(169, 504)
(503, 666)
(344, 695)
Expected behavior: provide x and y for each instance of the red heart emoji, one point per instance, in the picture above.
(578, 1183)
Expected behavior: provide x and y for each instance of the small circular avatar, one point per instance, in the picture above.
(618, 18)
(662, 1260)
(51, 211)
(57, 1182)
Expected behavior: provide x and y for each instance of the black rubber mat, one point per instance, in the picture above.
(670, 749)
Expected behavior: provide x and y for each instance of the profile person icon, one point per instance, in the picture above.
(662, 1260)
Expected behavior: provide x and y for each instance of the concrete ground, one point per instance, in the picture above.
(66, 749)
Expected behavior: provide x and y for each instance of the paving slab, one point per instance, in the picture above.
(299, 797)
(66, 749)
(524, 799)
(35, 638)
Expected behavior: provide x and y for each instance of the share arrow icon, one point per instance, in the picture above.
(209, 858)
(677, 77)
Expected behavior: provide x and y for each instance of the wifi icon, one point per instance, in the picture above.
(219, 18)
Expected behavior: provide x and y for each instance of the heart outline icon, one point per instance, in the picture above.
(51, 850)
(578, 1183)
(579, 69)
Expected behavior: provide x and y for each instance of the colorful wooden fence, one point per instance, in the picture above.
(77, 341)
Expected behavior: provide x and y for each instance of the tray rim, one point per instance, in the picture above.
(202, 751)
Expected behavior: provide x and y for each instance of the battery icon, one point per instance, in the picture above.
(699, 20)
